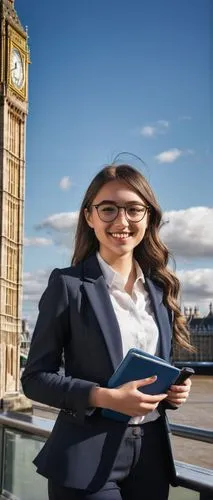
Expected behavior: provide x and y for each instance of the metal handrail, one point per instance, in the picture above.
(188, 475)
(33, 425)
(43, 427)
(195, 433)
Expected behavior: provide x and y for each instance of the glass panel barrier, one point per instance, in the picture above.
(183, 494)
(19, 474)
(21, 438)
(20, 480)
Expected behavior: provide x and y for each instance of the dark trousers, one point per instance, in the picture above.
(140, 471)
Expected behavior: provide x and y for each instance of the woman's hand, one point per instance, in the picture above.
(178, 394)
(127, 398)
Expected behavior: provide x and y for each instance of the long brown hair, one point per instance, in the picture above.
(151, 253)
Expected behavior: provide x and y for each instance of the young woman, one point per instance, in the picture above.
(117, 294)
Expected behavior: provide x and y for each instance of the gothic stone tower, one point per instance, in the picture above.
(14, 58)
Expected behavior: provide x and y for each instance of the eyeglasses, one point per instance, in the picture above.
(108, 212)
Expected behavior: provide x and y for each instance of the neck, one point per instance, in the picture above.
(123, 265)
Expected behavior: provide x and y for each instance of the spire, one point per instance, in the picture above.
(210, 310)
(196, 312)
(8, 12)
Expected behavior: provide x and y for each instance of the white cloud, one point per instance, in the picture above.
(196, 288)
(163, 123)
(172, 155)
(190, 151)
(62, 227)
(169, 156)
(159, 127)
(189, 232)
(148, 131)
(197, 283)
(34, 284)
(59, 222)
(65, 183)
(184, 118)
(37, 242)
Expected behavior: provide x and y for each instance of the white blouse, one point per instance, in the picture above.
(135, 317)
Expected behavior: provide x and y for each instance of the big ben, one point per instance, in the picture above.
(14, 59)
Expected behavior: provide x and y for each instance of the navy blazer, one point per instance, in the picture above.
(76, 319)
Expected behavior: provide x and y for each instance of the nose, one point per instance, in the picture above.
(121, 217)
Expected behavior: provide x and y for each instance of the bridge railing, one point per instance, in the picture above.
(195, 433)
(22, 436)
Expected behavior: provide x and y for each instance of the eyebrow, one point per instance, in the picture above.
(133, 202)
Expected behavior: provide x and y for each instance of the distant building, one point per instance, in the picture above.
(25, 337)
(25, 340)
(201, 329)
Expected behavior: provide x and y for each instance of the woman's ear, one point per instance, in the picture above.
(88, 217)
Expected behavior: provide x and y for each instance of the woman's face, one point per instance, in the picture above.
(120, 236)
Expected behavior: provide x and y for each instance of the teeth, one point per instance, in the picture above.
(120, 235)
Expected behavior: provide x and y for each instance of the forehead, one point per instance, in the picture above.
(117, 191)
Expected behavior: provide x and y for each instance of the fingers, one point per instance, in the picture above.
(187, 382)
(152, 399)
(144, 381)
(178, 394)
(179, 388)
(176, 401)
(149, 398)
(148, 407)
(143, 409)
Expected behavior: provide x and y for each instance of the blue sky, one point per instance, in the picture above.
(119, 76)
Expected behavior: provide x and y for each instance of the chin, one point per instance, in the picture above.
(121, 250)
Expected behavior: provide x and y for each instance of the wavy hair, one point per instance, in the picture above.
(151, 253)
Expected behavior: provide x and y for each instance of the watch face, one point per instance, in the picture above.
(17, 69)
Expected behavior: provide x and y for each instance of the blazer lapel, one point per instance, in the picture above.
(161, 315)
(96, 290)
(97, 293)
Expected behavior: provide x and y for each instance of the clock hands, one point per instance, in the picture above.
(15, 67)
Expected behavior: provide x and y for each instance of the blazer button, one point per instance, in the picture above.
(68, 412)
(136, 431)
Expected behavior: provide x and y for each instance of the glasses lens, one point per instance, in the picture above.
(107, 212)
(135, 213)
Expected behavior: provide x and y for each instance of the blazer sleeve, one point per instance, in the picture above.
(41, 380)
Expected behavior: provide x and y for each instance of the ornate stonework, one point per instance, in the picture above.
(8, 12)
(14, 59)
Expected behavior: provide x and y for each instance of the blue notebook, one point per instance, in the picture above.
(137, 365)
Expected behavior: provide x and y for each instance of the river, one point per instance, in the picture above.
(196, 412)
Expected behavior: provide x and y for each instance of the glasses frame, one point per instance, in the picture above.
(120, 207)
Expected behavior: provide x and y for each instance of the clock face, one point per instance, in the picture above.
(17, 68)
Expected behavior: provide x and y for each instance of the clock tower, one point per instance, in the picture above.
(14, 59)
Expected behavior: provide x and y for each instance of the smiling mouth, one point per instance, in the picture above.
(121, 236)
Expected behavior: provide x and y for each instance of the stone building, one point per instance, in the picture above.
(14, 59)
(201, 329)
(25, 339)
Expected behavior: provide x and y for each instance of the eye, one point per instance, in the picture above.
(107, 208)
(136, 210)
